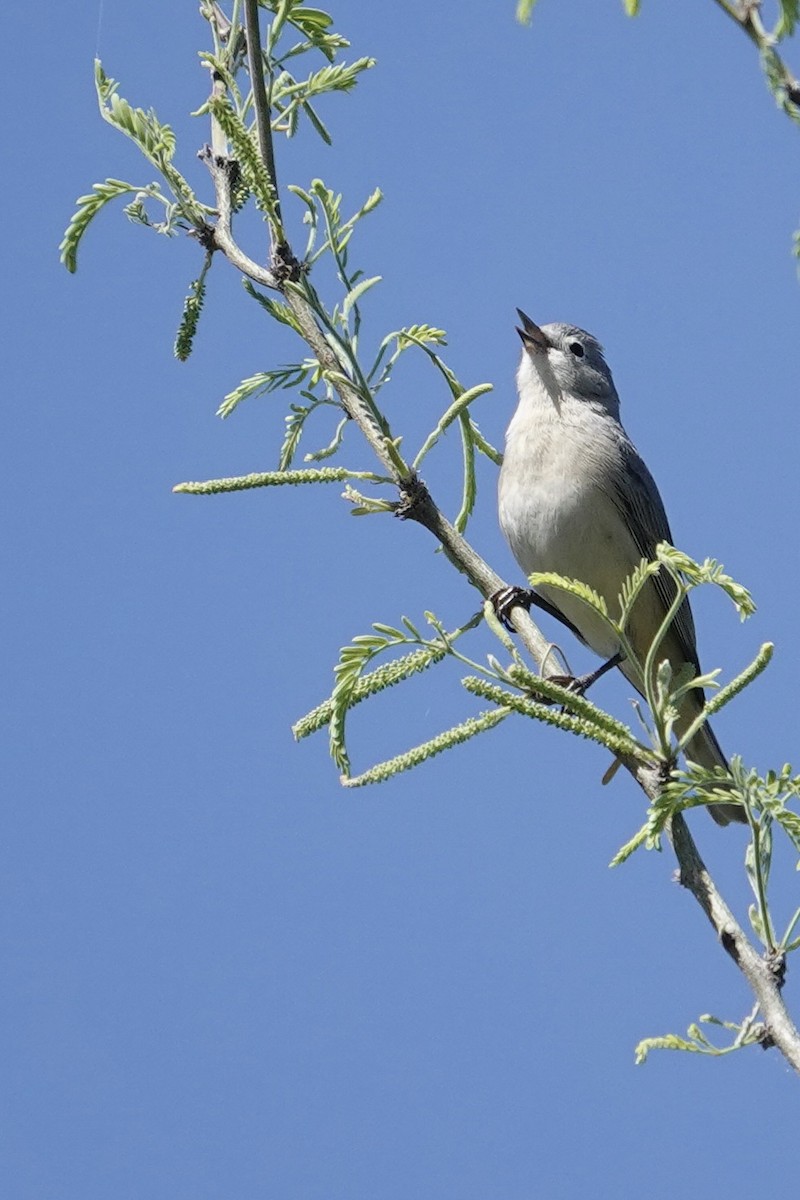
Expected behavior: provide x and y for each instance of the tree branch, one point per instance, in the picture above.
(745, 14)
(416, 504)
(764, 976)
(219, 236)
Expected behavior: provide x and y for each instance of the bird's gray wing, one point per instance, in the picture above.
(633, 491)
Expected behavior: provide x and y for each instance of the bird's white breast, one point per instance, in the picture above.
(555, 503)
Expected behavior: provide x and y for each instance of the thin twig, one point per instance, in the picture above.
(745, 14)
(740, 13)
(255, 62)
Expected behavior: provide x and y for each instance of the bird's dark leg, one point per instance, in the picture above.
(580, 684)
(513, 597)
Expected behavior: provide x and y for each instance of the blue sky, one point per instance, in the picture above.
(224, 976)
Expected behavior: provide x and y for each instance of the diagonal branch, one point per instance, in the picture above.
(746, 15)
(764, 976)
(416, 503)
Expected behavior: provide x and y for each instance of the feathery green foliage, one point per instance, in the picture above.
(573, 723)
(155, 140)
(351, 685)
(420, 754)
(787, 20)
(192, 307)
(291, 376)
(370, 684)
(242, 169)
(749, 1032)
(88, 208)
(242, 483)
(253, 170)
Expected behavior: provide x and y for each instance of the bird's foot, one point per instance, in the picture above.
(577, 684)
(511, 597)
(580, 684)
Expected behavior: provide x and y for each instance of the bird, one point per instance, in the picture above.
(575, 498)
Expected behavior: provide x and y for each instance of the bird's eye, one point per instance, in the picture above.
(577, 349)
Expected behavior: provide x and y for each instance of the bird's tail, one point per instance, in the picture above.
(705, 750)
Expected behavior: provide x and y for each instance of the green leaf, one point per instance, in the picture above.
(295, 421)
(757, 923)
(404, 339)
(290, 96)
(419, 335)
(353, 659)
(351, 685)
(312, 23)
(525, 11)
(156, 141)
(376, 681)
(311, 19)
(88, 208)
(573, 587)
(279, 312)
(470, 490)
(669, 1042)
(366, 505)
(709, 571)
(355, 294)
(266, 381)
(787, 944)
(581, 725)
(337, 77)
(192, 308)
(282, 11)
(242, 483)
(787, 21)
(632, 586)
(749, 1032)
(255, 173)
(317, 123)
(455, 410)
(624, 852)
(333, 445)
(632, 7)
(779, 83)
(263, 381)
(419, 754)
(540, 686)
(485, 448)
(136, 212)
(790, 824)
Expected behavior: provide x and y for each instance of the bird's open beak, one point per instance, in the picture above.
(533, 339)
